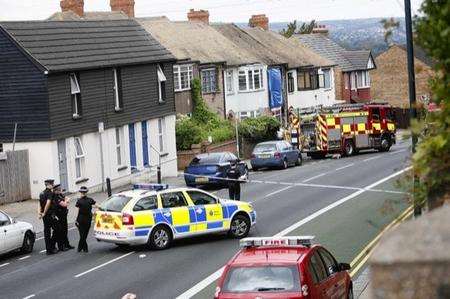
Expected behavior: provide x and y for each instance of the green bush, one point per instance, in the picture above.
(259, 129)
(187, 133)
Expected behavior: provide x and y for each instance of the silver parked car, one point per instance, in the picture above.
(275, 154)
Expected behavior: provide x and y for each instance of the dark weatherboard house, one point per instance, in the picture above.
(91, 99)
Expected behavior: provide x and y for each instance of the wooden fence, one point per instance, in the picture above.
(14, 176)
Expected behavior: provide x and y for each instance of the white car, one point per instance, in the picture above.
(15, 235)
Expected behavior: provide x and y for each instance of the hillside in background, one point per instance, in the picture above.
(356, 34)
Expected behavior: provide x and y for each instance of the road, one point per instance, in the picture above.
(343, 202)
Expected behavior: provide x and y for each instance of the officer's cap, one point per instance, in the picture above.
(83, 189)
(49, 181)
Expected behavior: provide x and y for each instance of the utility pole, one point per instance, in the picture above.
(412, 90)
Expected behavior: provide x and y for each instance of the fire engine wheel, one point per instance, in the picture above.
(349, 148)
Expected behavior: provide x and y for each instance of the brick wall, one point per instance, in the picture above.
(185, 157)
(390, 78)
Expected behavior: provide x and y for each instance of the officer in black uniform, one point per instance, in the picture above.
(46, 213)
(234, 185)
(84, 218)
(62, 203)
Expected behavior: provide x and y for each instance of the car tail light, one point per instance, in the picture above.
(277, 155)
(127, 219)
(217, 292)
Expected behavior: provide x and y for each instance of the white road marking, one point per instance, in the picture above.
(315, 177)
(372, 158)
(277, 191)
(23, 258)
(328, 186)
(214, 276)
(104, 264)
(30, 296)
(3, 265)
(388, 191)
(42, 251)
(270, 182)
(346, 166)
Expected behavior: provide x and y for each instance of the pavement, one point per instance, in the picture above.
(344, 202)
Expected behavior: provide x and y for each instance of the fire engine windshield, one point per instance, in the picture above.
(262, 279)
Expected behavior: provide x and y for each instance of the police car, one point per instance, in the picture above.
(286, 267)
(155, 215)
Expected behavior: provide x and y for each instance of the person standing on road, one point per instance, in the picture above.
(62, 202)
(234, 185)
(84, 218)
(46, 213)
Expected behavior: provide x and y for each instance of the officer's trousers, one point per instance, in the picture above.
(84, 225)
(49, 235)
(234, 191)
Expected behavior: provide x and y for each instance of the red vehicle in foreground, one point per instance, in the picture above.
(286, 267)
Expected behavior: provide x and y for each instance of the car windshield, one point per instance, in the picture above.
(262, 279)
(115, 203)
(267, 147)
(206, 159)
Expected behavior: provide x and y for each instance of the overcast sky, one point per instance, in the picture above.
(224, 10)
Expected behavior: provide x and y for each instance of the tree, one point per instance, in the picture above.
(293, 28)
(431, 162)
(389, 26)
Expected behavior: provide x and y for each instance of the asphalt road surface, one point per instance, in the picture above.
(343, 202)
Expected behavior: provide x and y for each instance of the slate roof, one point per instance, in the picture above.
(347, 60)
(75, 45)
(197, 42)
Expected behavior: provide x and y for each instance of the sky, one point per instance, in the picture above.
(224, 10)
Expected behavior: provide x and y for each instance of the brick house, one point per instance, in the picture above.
(390, 78)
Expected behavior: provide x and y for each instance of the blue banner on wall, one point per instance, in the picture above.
(275, 88)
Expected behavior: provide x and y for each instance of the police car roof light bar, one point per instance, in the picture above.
(277, 241)
(150, 187)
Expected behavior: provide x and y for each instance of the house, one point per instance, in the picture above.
(390, 78)
(91, 100)
(201, 52)
(352, 78)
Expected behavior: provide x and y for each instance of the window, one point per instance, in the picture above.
(209, 81)
(75, 95)
(243, 115)
(79, 158)
(346, 80)
(251, 79)
(161, 84)
(161, 130)
(118, 105)
(146, 203)
(318, 267)
(115, 203)
(353, 80)
(200, 198)
(173, 200)
(363, 79)
(229, 81)
(4, 220)
(290, 82)
(307, 80)
(119, 143)
(183, 76)
(327, 78)
(313, 273)
(330, 264)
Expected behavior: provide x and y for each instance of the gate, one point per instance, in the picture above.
(14, 176)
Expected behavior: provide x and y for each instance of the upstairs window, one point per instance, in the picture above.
(183, 75)
(118, 104)
(229, 81)
(363, 79)
(75, 95)
(251, 79)
(209, 82)
(161, 84)
(290, 82)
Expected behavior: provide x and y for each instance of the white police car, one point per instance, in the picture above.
(15, 235)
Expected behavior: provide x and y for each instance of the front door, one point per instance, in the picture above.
(144, 143)
(62, 162)
(178, 213)
(132, 138)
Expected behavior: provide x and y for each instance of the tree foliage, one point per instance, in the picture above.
(259, 129)
(293, 28)
(431, 162)
(389, 26)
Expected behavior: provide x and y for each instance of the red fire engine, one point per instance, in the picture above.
(346, 129)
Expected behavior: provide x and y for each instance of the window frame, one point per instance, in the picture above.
(229, 82)
(364, 77)
(144, 198)
(317, 257)
(161, 131)
(323, 252)
(118, 96)
(75, 95)
(161, 196)
(79, 158)
(290, 82)
(310, 79)
(161, 84)
(177, 76)
(8, 219)
(250, 74)
(119, 144)
(188, 192)
(326, 73)
(211, 79)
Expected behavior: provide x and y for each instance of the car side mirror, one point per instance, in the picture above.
(344, 266)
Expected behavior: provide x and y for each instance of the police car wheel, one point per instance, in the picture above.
(160, 238)
(299, 160)
(285, 164)
(28, 242)
(240, 226)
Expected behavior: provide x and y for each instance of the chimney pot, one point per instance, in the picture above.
(76, 6)
(320, 29)
(261, 21)
(125, 6)
(198, 16)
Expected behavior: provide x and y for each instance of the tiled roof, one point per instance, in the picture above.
(347, 60)
(75, 45)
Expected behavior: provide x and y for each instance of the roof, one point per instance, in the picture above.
(75, 45)
(88, 16)
(419, 53)
(196, 41)
(347, 60)
(264, 255)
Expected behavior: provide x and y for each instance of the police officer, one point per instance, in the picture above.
(234, 185)
(46, 213)
(84, 218)
(62, 202)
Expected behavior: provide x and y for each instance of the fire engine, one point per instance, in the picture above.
(343, 128)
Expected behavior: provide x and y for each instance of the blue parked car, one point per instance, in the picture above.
(205, 168)
(275, 154)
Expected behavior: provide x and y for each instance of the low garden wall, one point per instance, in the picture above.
(185, 157)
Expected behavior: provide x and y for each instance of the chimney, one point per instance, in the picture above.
(198, 16)
(260, 21)
(320, 29)
(76, 6)
(126, 6)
